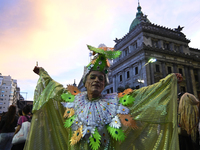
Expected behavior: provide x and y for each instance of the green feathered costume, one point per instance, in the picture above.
(154, 110)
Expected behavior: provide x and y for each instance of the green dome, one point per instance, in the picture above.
(137, 20)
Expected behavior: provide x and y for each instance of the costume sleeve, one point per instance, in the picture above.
(47, 130)
(46, 90)
(155, 110)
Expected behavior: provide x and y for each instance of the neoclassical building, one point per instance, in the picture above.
(144, 41)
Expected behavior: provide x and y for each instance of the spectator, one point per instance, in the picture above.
(7, 127)
(20, 113)
(188, 120)
(24, 118)
(1, 118)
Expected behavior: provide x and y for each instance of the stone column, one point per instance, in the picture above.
(116, 81)
(163, 69)
(130, 48)
(131, 75)
(176, 71)
(172, 46)
(114, 84)
(152, 73)
(175, 68)
(139, 76)
(198, 73)
(148, 74)
(160, 44)
(188, 80)
(123, 77)
(193, 82)
(143, 74)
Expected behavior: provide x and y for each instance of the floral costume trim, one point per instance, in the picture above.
(88, 119)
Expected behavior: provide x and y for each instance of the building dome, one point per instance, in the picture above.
(139, 18)
(101, 45)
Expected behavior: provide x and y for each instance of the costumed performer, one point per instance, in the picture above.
(69, 119)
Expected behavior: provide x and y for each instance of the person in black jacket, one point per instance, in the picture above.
(7, 127)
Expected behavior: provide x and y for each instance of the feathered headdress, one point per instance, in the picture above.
(100, 61)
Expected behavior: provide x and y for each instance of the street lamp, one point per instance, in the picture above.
(140, 81)
(152, 60)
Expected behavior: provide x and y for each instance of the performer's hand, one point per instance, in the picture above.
(179, 77)
(37, 70)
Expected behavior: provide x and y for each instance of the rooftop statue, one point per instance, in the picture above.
(179, 29)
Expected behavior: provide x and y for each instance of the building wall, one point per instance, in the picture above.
(9, 93)
(169, 46)
(173, 56)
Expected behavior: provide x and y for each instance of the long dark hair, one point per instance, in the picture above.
(10, 115)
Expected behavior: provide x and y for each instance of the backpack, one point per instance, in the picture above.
(21, 136)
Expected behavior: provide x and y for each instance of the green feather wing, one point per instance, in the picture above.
(126, 100)
(108, 54)
(117, 134)
(68, 97)
(69, 122)
(95, 140)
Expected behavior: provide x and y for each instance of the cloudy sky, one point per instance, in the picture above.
(55, 32)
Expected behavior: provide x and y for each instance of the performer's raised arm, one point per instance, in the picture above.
(37, 69)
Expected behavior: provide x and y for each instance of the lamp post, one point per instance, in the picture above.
(152, 60)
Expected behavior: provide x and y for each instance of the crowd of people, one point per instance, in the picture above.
(10, 124)
(188, 122)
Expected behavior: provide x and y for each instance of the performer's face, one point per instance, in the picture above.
(95, 82)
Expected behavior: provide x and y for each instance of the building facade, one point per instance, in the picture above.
(9, 92)
(144, 41)
(168, 46)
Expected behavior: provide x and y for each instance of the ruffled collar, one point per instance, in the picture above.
(94, 119)
(95, 113)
